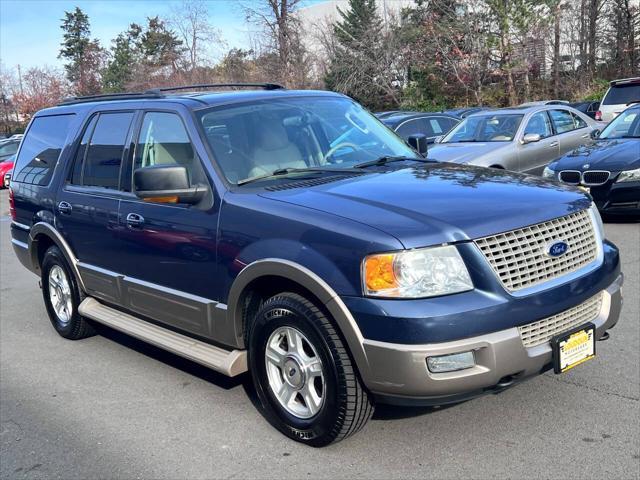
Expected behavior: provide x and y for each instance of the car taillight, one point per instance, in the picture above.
(599, 115)
(12, 205)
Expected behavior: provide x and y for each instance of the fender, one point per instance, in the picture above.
(46, 229)
(312, 282)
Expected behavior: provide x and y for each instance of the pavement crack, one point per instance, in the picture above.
(593, 389)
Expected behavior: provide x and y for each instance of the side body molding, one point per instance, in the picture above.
(309, 280)
(43, 228)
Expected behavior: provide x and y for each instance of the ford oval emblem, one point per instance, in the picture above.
(557, 249)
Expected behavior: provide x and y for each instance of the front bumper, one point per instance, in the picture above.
(398, 373)
(617, 198)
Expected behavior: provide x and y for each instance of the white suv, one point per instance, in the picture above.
(618, 97)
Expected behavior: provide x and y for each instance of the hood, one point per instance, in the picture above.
(438, 203)
(464, 152)
(613, 155)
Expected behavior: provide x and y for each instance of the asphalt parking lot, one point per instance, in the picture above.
(112, 407)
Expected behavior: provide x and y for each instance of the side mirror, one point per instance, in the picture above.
(531, 138)
(166, 184)
(595, 133)
(418, 142)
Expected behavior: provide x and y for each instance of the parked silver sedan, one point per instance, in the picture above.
(523, 139)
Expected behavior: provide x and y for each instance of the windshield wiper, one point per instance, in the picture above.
(287, 171)
(388, 159)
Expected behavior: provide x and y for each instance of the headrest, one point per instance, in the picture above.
(272, 135)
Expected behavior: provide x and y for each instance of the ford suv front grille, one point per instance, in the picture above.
(522, 258)
(537, 333)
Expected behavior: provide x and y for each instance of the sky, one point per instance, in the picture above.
(30, 33)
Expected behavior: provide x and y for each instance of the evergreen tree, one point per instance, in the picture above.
(83, 56)
(358, 54)
(122, 63)
(159, 46)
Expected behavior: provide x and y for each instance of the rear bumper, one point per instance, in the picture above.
(399, 373)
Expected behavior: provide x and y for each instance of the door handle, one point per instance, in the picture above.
(553, 144)
(65, 207)
(134, 220)
(586, 135)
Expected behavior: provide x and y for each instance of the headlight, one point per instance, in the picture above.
(548, 173)
(629, 176)
(423, 272)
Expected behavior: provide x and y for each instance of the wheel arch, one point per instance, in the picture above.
(42, 236)
(300, 279)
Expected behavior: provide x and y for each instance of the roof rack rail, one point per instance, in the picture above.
(265, 86)
(111, 96)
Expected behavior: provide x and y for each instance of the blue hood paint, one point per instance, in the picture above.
(438, 203)
(613, 155)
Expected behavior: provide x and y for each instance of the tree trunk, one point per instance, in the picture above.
(556, 52)
(594, 12)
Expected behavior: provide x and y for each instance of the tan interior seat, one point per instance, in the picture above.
(274, 151)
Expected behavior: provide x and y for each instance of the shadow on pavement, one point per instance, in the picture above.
(170, 359)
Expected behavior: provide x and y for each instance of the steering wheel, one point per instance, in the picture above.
(337, 147)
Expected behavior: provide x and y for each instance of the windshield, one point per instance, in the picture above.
(625, 125)
(485, 128)
(622, 94)
(258, 138)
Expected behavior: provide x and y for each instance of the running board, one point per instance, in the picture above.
(230, 363)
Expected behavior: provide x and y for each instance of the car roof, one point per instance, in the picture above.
(403, 116)
(194, 100)
(519, 110)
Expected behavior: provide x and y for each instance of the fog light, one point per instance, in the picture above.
(451, 363)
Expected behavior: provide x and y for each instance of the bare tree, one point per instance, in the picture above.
(191, 22)
(279, 28)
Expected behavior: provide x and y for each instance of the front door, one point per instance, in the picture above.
(534, 156)
(170, 249)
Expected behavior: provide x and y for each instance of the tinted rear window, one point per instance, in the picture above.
(41, 149)
(104, 154)
(622, 94)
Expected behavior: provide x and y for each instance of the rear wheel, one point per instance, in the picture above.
(62, 297)
(306, 382)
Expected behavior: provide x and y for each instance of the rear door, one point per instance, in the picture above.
(572, 131)
(86, 209)
(168, 249)
(534, 156)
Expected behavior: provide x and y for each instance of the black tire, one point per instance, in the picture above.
(76, 327)
(346, 406)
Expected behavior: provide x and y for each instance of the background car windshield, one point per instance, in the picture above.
(625, 125)
(485, 128)
(622, 94)
(257, 138)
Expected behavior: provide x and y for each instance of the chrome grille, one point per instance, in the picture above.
(595, 177)
(542, 331)
(570, 176)
(519, 257)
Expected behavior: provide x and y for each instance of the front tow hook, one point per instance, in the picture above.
(605, 336)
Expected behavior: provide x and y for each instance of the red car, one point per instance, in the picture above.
(5, 167)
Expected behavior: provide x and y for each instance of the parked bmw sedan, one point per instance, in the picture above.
(610, 168)
(523, 139)
(432, 125)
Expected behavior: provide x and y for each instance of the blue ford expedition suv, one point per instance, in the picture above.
(291, 235)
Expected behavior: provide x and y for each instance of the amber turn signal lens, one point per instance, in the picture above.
(173, 199)
(378, 270)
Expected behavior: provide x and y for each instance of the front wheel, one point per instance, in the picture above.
(306, 382)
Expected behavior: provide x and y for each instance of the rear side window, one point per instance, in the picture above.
(562, 120)
(41, 149)
(622, 94)
(101, 157)
(411, 127)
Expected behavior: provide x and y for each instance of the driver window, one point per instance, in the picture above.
(539, 123)
(163, 140)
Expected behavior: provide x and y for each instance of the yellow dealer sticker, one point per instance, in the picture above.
(575, 348)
